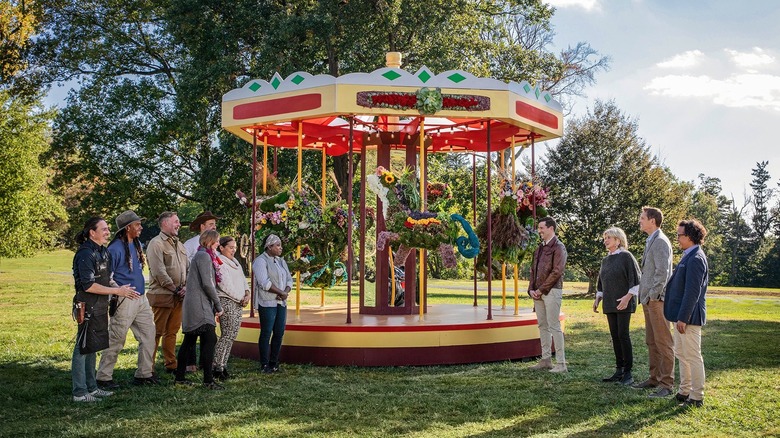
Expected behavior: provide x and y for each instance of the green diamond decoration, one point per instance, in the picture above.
(275, 83)
(391, 75)
(424, 76)
(527, 88)
(456, 77)
(537, 92)
(297, 79)
(255, 86)
(547, 98)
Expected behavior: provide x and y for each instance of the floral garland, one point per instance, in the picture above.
(408, 226)
(426, 100)
(299, 218)
(514, 234)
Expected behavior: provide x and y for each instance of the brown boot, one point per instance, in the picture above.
(544, 364)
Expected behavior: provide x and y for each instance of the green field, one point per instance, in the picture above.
(505, 399)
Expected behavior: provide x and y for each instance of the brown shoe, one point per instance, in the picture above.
(544, 364)
(644, 385)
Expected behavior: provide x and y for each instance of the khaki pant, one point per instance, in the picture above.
(135, 315)
(660, 346)
(548, 311)
(167, 322)
(687, 349)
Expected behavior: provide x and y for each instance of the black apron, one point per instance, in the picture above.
(92, 334)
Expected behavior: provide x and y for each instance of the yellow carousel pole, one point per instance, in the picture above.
(517, 293)
(392, 275)
(298, 249)
(422, 208)
(503, 264)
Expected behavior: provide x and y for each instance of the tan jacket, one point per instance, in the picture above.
(547, 267)
(168, 266)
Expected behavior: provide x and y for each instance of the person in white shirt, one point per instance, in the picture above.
(233, 293)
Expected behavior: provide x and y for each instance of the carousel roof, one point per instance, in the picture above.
(388, 106)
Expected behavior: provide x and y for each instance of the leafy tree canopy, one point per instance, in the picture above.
(600, 175)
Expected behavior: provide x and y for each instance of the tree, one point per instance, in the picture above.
(762, 218)
(152, 76)
(600, 175)
(711, 207)
(28, 209)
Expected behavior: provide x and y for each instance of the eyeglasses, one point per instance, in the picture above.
(680, 235)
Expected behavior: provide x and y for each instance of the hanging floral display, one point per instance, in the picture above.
(299, 218)
(411, 228)
(513, 229)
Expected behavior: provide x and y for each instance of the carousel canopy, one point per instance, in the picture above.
(389, 105)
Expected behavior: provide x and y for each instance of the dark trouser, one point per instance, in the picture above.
(208, 339)
(621, 339)
(272, 322)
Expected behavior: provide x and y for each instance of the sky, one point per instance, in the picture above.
(702, 79)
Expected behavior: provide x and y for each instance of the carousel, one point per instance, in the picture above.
(387, 112)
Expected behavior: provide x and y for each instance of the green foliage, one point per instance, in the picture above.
(30, 213)
(143, 130)
(600, 175)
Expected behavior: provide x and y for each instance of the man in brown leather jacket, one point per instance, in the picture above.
(546, 288)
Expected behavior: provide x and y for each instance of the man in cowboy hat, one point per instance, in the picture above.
(127, 260)
(202, 223)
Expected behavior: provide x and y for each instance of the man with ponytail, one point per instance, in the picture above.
(127, 262)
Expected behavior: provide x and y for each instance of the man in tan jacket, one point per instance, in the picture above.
(168, 272)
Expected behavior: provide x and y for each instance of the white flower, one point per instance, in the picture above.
(375, 185)
(303, 225)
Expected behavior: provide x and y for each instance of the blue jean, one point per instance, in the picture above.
(82, 369)
(272, 322)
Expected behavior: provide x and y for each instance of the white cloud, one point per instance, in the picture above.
(749, 60)
(737, 91)
(688, 59)
(588, 5)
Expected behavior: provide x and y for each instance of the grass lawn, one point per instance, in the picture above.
(506, 399)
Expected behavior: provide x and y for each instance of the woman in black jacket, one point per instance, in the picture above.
(618, 286)
(92, 277)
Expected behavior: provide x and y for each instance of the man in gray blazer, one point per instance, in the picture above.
(656, 270)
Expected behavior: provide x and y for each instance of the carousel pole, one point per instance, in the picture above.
(474, 212)
(533, 178)
(253, 221)
(489, 248)
(298, 248)
(514, 170)
(324, 164)
(421, 283)
(362, 253)
(503, 264)
(350, 216)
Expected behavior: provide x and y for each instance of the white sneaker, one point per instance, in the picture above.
(559, 368)
(101, 393)
(86, 398)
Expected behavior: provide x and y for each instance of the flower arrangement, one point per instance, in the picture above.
(513, 229)
(426, 100)
(412, 228)
(299, 218)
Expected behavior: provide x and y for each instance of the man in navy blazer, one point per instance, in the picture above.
(685, 307)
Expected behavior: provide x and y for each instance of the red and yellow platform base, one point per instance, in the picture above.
(448, 334)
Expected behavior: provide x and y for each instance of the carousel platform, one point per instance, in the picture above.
(448, 334)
